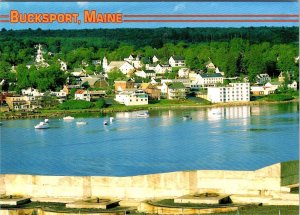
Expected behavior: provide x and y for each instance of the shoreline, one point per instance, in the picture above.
(60, 113)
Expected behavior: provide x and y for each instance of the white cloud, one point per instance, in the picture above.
(82, 4)
(179, 7)
(4, 5)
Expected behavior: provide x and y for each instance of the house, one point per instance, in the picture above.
(155, 59)
(210, 66)
(134, 60)
(17, 103)
(63, 65)
(82, 95)
(23, 103)
(3, 96)
(183, 72)
(132, 97)
(141, 74)
(150, 66)
(123, 66)
(151, 89)
(162, 69)
(262, 78)
(155, 81)
(282, 76)
(267, 89)
(60, 95)
(150, 73)
(176, 61)
(97, 94)
(95, 81)
(231, 93)
(96, 62)
(293, 85)
(173, 90)
(79, 72)
(207, 79)
(31, 92)
(67, 88)
(132, 57)
(124, 85)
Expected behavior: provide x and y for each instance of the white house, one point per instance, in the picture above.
(173, 90)
(140, 73)
(162, 69)
(293, 85)
(155, 59)
(176, 61)
(63, 65)
(132, 97)
(267, 89)
(262, 78)
(150, 66)
(231, 93)
(206, 80)
(123, 66)
(79, 72)
(31, 92)
(82, 95)
(183, 72)
(150, 73)
(61, 95)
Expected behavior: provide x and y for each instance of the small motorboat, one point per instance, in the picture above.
(143, 115)
(81, 123)
(105, 122)
(1, 123)
(111, 119)
(186, 117)
(42, 125)
(68, 118)
(46, 120)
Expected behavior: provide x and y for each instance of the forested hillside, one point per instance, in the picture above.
(236, 51)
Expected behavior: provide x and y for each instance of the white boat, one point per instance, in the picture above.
(46, 120)
(143, 115)
(81, 123)
(111, 119)
(187, 117)
(68, 118)
(42, 125)
(105, 122)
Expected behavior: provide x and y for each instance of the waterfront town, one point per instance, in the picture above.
(138, 83)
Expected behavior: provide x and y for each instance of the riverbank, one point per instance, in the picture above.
(55, 113)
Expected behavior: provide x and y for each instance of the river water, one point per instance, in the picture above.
(231, 138)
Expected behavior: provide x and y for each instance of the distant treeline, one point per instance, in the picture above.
(159, 36)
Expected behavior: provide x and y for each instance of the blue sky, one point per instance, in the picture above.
(150, 8)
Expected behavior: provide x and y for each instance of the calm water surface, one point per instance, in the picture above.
(235, 138)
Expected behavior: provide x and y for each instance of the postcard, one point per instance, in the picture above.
(149, 107)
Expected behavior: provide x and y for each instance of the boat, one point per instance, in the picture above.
(143, 115)
(186, 117)
(46, 120)
(105, 122)
(81, 123)
(111, 119)
(215, 112)
(68, 118)
(42, 125)
(1, 123)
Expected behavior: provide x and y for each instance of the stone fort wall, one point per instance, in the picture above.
(165, 185)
